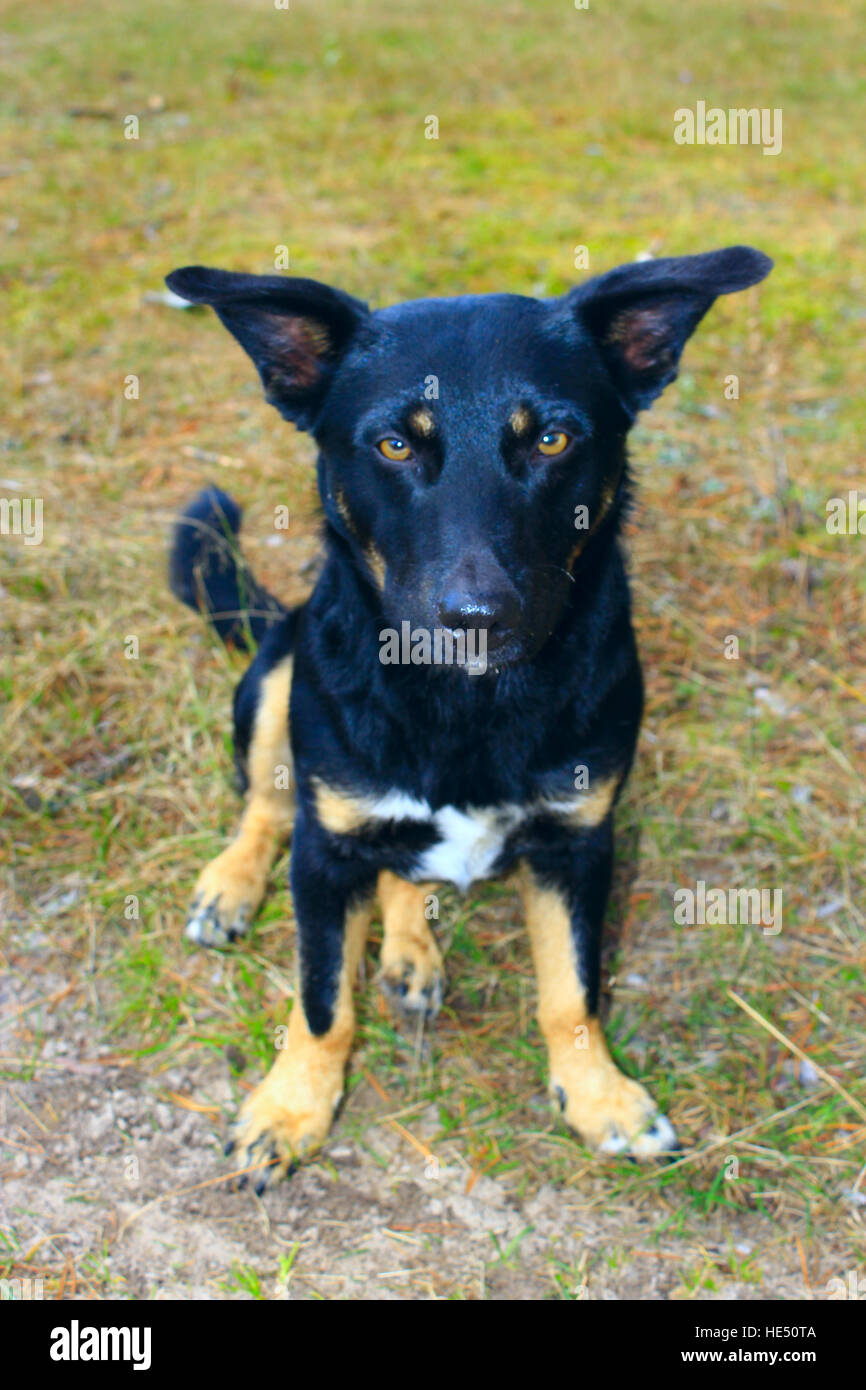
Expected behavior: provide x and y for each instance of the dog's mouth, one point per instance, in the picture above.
(472, 651)
(489, 653)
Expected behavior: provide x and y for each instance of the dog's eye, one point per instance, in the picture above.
(552, 443)
(394, 448)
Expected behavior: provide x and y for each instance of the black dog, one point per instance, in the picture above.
(472, 469)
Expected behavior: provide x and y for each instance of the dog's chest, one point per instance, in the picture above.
(468, 842)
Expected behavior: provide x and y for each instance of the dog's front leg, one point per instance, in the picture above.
(289, 1114)
(565, 886)
(411, 973)
(230, 888)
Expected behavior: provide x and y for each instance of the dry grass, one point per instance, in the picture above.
(116, 771)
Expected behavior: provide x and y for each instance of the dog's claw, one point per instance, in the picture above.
(209, 925)
(655, 1140)
(413, 989)
(264, 1157)
(225, 898)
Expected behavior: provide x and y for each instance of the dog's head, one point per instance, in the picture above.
(472, 448)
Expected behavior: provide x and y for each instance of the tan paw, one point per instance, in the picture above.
(279, 1126)
(411, 976)
(226, 897)
(614, 1114)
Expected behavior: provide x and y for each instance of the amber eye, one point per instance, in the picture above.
(552, 443)
(395, 449)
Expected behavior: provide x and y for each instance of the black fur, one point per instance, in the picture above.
(207, 571)
(478, 522)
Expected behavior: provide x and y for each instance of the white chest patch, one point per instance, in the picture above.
(469, 841)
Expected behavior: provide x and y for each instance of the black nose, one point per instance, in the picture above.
(479, 595)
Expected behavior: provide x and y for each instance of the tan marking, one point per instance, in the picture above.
(520, 420)
(269, 745)
(599, 1100)
(593, 805)
(292, 1109)
(339, 811)
(411, 971)
(608, 494)
(376, 563)
(232, 885)
(343, 510)
(373, 556)
(422, 422)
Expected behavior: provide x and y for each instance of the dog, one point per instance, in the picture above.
(473, 475)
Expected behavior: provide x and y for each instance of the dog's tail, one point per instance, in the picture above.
(208, 572)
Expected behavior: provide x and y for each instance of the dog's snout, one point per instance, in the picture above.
(479, 595)
(492, 611)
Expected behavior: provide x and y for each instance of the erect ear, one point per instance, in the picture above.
(295, 330)
(642, 314)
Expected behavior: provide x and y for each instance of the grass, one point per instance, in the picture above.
(260, 128)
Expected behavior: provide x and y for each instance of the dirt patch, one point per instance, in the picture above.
(115, 1188)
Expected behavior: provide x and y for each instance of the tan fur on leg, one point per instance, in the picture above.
(231, 887)
(411, 974)
(609, 1110)
(288, 1116)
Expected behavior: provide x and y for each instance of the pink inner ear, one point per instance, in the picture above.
(643, 337)
(296, 347)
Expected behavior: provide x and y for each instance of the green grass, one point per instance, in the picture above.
(260, 128)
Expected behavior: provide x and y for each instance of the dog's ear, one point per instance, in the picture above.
(295, 330)
(642, 314)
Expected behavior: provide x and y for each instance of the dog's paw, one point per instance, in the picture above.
(413, 982)
(225, 900)
(212, 923)
(275, 1132)
(618, 1118)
